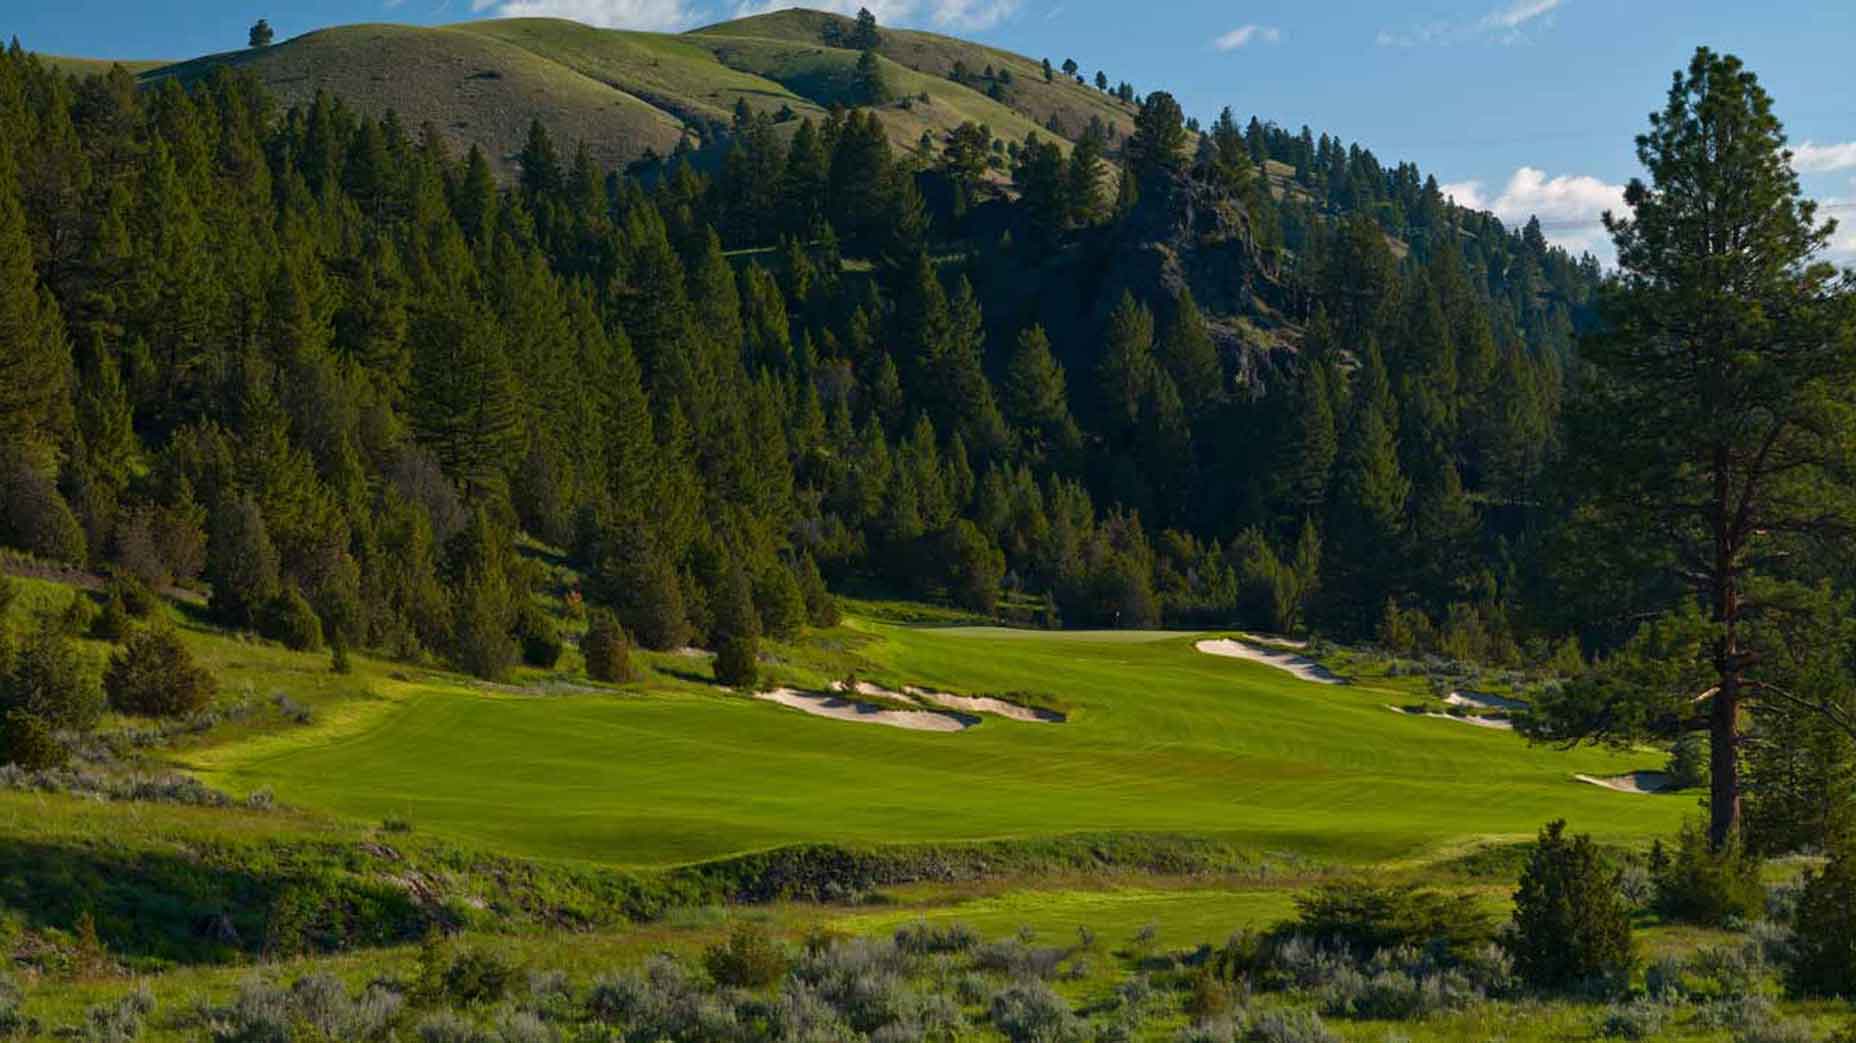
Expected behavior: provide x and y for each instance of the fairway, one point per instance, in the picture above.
(1161, 738)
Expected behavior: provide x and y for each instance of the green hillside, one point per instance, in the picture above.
(626, 93)
(96, 66)
(936, 56)
(474, 89)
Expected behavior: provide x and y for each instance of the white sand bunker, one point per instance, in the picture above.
(839, 708)
(1272, 639)
(1483, 701)
(966, 703)
(1496, 723)
(986, 704)
(1635, 782)
(1301, 666)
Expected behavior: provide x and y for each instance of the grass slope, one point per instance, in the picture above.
(474, 88)
(935, 55)
(82, 67)
(1161, 738)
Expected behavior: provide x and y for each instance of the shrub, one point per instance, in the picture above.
(1705, 886)
(1688, 761)
(1639, 1019)
(750, 959)
(153, 675)
(28, 742)
(79, 615)
(1366, 917)
(338, 658)
(821, 606)
(49, 681)
(1029, 1012)
(1290, 1026)
(606, 649)
(110, 624)
(34, 517)
(476, 976)
(539, 637)
(1571, 926)
(737, 662)
(137, 598)
(241, 565)
(118, 1022)
(925, 939)
(1824, 962)
(13, 1021)
(289, 619)
(780, 601)
(447, 1027)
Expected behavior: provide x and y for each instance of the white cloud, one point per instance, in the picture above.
(1569, 206)
(1507, 24)
(675, 15)
(1812, 158)
(1244, 35)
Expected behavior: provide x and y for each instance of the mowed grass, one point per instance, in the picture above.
(1161, 738)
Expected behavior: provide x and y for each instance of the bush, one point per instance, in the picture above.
(1704, 886)
(48, 680)
(1571, 925)
(153, 675)
(1290, 1026)
(1688, 761)
(13, 1021)
(289, 619)
(1639, 1019)
(779, 601)
(28, 742)
(136, 596)
(540, 639)
(478, 977)
(118, 1022)
(750, 959)
(607, 649)
(1029, 1012)
(737, 662)
(110, 624)
(34, 517)
(821, 606)
(1367, 917)
(79, 615)
(241, 565)
(1824, 961)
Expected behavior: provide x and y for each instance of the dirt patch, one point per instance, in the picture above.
(1645, 782)
(839, 708)
(1300, 666)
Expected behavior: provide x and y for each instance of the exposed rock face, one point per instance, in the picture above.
(1185, 233)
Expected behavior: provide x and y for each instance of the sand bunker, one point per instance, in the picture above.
(985, 704)
(1635, 782)
(1301, 666)
(966, 703)
(1495, 723)
(839, 708)
(1483, 701)
(1267, 639)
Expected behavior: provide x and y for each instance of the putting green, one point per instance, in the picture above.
(1161, 738)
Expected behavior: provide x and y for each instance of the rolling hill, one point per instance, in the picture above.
(624, 94)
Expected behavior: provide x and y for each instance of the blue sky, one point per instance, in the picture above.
(1520, 106)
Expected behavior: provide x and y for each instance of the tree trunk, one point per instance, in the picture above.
(1724, 766)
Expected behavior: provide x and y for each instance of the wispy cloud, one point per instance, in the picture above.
(1245, 35)
(674, 15)
(1812, 158)
(1569, 206)
(1507, 24)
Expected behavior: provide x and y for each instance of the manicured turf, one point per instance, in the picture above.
(1161, 738)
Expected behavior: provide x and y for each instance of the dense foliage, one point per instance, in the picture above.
(311, 360)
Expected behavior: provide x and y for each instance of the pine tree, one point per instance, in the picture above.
(35, 364)
(1037, 400)
(1187, 355)
(1126, 369)
(1716, 418)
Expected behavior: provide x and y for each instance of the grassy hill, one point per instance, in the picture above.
(626, 93)
(936, 56)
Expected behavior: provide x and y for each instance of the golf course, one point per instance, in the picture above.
(1159, 737)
